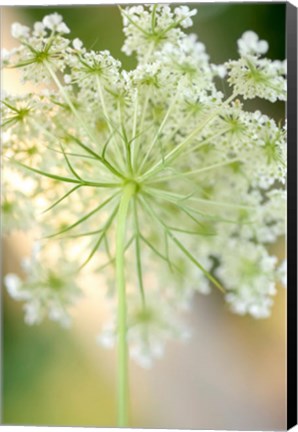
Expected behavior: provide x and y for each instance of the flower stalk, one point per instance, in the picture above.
(129, 191)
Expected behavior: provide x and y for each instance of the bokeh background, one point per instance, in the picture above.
(231, 375)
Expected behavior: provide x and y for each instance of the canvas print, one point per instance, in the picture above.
(143, 215)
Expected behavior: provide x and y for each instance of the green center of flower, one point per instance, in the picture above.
(271, 150)
(41, 56)
(135, 184)
(7, 207)
(31, 151)
(250, 269)
(55, 282)
(144, 316)
(23, 112)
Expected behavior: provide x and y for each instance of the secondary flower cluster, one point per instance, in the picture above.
(208, 176)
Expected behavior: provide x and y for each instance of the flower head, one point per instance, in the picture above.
(46, 290)
(153, 170)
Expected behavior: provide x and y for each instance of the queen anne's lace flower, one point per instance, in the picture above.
(249, 278)
(148, 330)
(153, 28)
(41, 47)
(89, 67)
(254, 77)
(203, 176)
(46, 290)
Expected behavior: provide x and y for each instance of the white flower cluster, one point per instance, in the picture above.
(252, 76)
(153, 27)
(88, 67)
(207, 176)
(250, 279)
(44, 44)
(47, 290)
(148, 330)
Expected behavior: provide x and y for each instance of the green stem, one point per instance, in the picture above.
(157, 135)
(80, 122)
(197, 171)
(134, 129)
(128, 191)
(68, 101)
(138, 254)
(107, 118)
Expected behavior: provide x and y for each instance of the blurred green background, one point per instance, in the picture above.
(232, 373)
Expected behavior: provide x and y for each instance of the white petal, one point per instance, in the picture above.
(77, 44)
(19, 30)
(62, 28)
(13, 284)
(52, 21)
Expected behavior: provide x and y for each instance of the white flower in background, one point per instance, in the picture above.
(15, 211)
(13, 284)
(250, 44)
(39, 29)
(89, 68)
(77, 44)
(46, 291)
(252, 77)
(183, 15)
(249, 277)
(41, 47)
(147, 31)
(19, 31)
(151, 169)
(55, 22)
(149, 328)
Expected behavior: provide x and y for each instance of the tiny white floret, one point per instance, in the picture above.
(249, 43)
(19, 31)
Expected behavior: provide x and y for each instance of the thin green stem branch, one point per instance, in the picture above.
(138, 143)
(174, 153)
(125, 139)
(138, 254)
(180, 198)
(196, 172)
(80, 121)
(107, 118)
(68, 101)
(186, 252)
(157, 135)
(134, 128)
